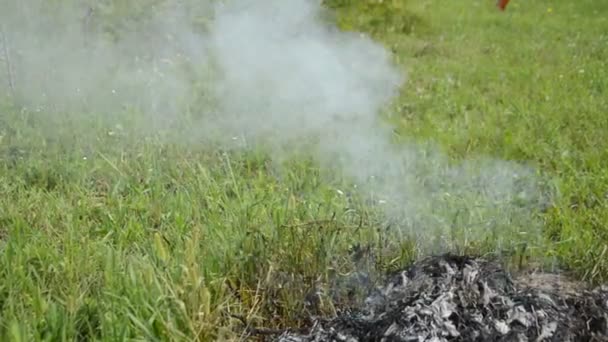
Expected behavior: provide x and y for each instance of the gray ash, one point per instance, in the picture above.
(454, 298)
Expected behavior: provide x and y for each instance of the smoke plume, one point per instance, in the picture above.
(270, 72)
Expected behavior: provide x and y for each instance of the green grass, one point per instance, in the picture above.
(107, 234)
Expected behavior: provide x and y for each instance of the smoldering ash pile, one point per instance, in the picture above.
(456, 298)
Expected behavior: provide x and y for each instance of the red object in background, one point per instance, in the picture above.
(502, 4)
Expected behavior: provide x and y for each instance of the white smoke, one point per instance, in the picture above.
(287, 78)
(276, 74)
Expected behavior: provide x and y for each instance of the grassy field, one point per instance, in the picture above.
(105, 234)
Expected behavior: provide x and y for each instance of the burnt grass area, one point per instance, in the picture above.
(459, 298)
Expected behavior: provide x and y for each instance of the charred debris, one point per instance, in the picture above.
(459, 298)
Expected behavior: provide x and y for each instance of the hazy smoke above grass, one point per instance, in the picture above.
(263, 71)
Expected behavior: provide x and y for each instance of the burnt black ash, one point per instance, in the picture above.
(456, 298)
